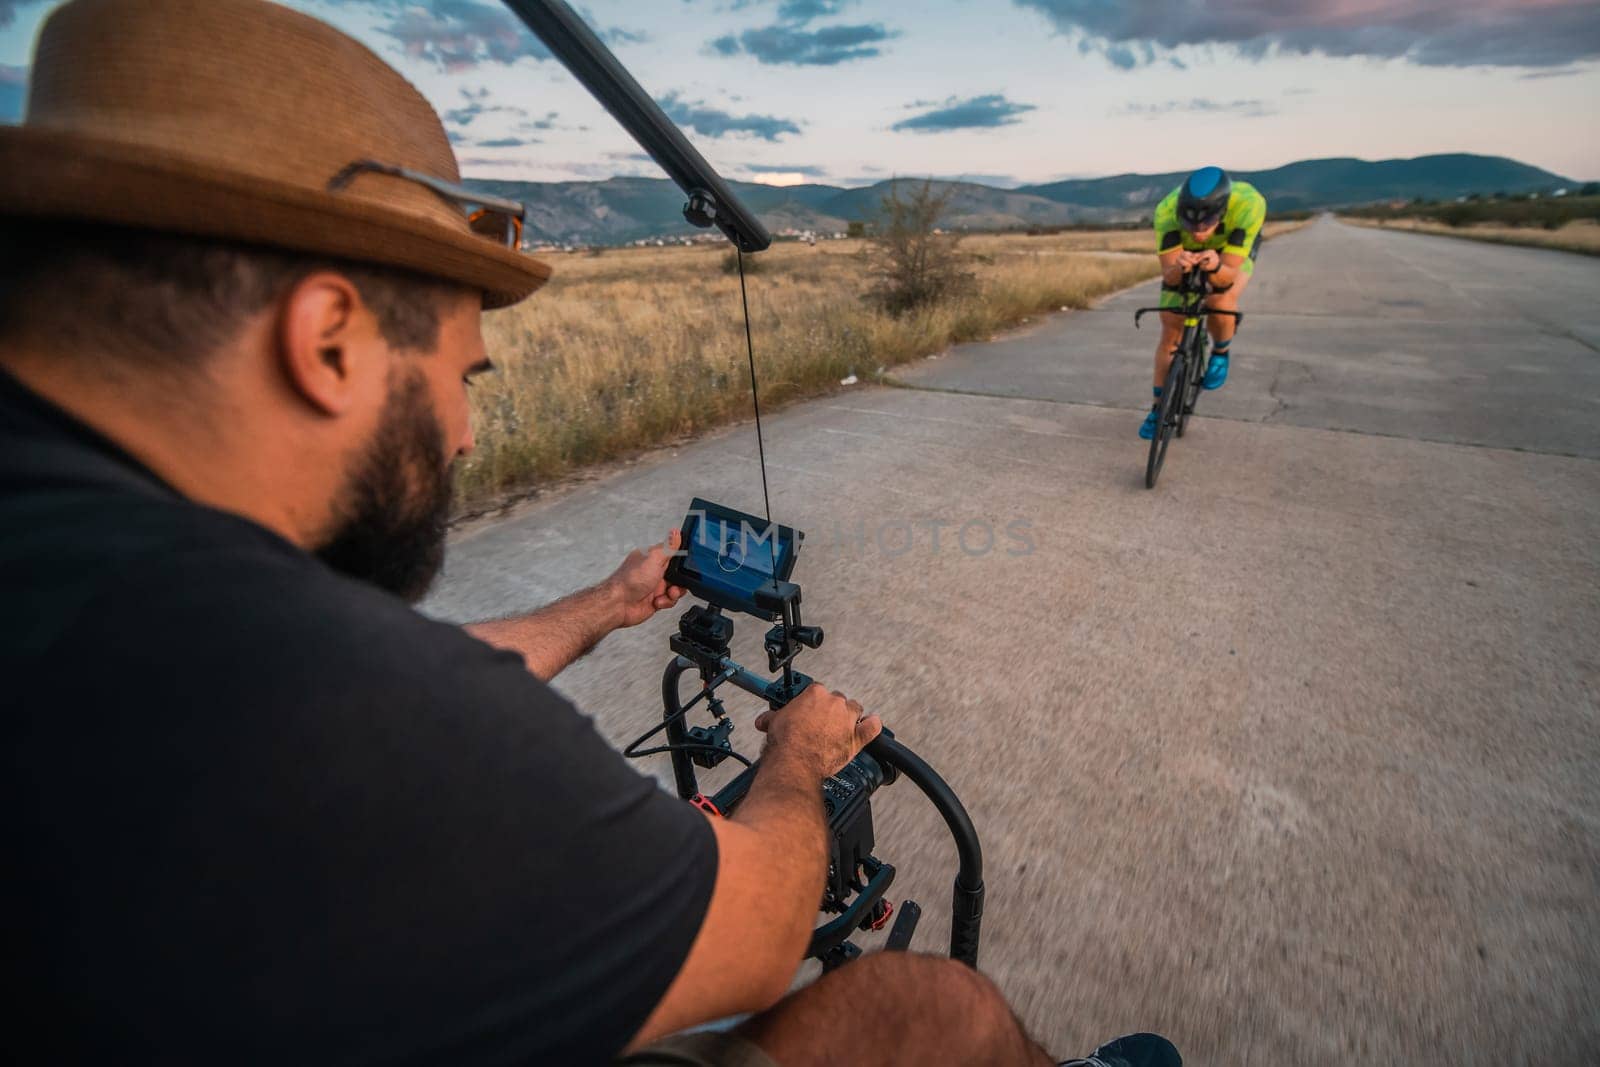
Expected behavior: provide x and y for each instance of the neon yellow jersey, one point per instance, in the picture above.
(1238, 235)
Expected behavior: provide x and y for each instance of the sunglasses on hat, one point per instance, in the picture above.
(488, 216)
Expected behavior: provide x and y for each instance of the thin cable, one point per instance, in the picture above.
(755, 402)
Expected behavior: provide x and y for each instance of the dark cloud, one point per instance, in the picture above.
(548, 122)
(13, 91)
(802, 11)
(1249, 109)
(616, 35)
(978, 112)
(809, 170)
(462, 34)
(477, 104)
(507, 142)
(789, 45)
(713, 122)
(9, 9)
(993, 181)
(1485, 33)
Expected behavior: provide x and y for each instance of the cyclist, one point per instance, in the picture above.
(257, 809)
(1215, 223)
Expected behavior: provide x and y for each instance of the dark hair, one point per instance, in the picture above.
(170, 300)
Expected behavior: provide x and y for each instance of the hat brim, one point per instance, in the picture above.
(55, 174)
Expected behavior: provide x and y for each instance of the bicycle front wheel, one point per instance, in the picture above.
(1192, 380)
(1166, 419)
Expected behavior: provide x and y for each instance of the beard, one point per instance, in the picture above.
(390, 520)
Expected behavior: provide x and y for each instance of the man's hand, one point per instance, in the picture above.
(550, 639)
(772, 857)
(824, 728)
(1207, 259)
(639, 587)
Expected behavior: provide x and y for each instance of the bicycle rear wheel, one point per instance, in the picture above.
(1166, 419)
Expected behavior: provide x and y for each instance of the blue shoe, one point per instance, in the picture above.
(1134, 1050)
(1216, 371)
(1148, 430)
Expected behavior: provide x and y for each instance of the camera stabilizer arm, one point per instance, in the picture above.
(857, 881)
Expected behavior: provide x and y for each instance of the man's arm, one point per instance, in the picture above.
(1243, 231)
(1173, 264)
(1224, 267)
(771, 862)
(552, 638)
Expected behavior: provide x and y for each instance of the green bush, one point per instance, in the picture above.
(913, 265)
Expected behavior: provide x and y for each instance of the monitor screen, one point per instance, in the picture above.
(729, 554)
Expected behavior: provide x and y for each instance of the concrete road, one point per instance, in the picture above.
(1295, 759)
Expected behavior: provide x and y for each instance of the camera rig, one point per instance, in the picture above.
(857, 880)
(741, 581)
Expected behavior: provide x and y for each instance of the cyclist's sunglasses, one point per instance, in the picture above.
(1192, 222)
(488, 216)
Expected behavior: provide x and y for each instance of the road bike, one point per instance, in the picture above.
(1181, 390)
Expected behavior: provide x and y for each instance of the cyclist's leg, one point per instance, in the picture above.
(923, 1009)
(1171, 334)
(1221, 327)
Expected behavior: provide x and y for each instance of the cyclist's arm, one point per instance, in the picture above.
(1170, 255)
(771, 861)
(1227, 270)
(1243, 229)
(1172, 267)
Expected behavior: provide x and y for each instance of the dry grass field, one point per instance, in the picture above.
(630, 348)
(1581, 235)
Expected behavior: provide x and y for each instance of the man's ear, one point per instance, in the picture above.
(327, 339)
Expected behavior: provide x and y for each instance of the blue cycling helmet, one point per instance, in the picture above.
(1203, 198)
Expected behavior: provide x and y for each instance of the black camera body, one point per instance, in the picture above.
(847, 804)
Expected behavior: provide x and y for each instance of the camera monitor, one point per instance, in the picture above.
(728, 555)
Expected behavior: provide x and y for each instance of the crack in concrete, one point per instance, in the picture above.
(1279, 404)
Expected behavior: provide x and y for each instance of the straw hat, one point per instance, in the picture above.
(227, 119)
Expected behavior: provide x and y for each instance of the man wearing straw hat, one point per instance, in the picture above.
(257, 809)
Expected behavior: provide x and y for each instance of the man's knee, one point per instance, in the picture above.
(935, 988)
(906, 1001)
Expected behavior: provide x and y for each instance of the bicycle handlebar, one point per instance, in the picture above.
(1238, 316)
(1196, 283)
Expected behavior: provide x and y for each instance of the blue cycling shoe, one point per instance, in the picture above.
(1216, 371)
(1148, 430)
(1134, 1050)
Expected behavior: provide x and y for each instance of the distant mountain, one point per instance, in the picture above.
(619, 210)
(1320, 183)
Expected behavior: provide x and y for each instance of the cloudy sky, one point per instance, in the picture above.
(1002, 91)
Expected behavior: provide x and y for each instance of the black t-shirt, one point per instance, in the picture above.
(255, 811)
